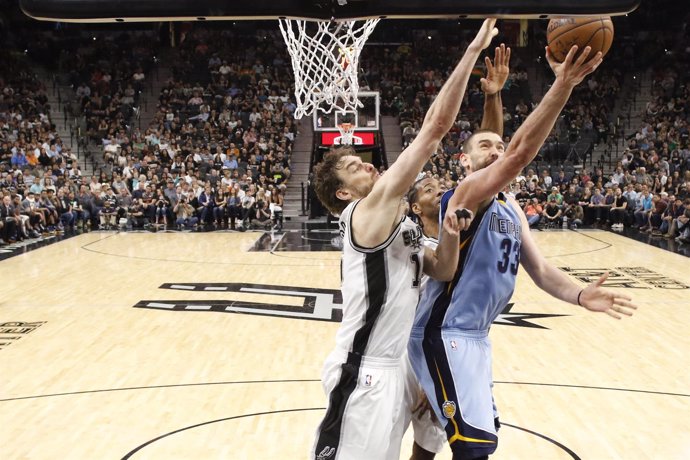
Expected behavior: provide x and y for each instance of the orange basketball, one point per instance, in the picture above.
(563, 33)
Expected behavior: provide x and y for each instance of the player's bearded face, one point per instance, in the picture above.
(363, 183)
(485, 150)
(359, 179)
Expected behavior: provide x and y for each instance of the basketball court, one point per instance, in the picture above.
(191, 345)
(210, 345)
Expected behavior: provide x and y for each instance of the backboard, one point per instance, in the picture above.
(365, 118)
(365, 121)
(191, 10)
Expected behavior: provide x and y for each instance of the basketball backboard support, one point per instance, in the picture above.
(365, 118)
(201, 10)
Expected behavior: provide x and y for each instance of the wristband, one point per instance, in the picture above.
(578, 297)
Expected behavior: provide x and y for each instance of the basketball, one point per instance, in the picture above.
(563, 33)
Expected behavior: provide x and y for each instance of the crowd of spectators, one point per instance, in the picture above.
(656, 162)
(647, 190)
(410, 75)
(216, 155)
(108, 74)
(28, 143)
(224, 130)
(217, 152)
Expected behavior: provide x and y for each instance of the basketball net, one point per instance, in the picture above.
(325, 59)
(347, 131)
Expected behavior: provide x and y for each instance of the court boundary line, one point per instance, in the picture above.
(132, 452)
(129, 454)
(607, 245)
(250, 382)
(86, 248)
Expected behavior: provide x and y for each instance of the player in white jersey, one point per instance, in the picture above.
(382, 264)
(449, 346)
(429, 437)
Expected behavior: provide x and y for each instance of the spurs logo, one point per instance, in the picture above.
(326, 453)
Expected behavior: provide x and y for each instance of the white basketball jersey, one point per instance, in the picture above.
(431, 243)
(380, 289)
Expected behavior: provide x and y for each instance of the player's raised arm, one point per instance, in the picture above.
(552, 280)
(437, 122)
(496, 168)
(496, 75)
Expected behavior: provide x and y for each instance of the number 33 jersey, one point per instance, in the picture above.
(485, 277)
(380, 289)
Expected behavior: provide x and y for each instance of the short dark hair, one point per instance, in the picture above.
(468, 141)
(413, 193)
(412, 197)
(326, 180)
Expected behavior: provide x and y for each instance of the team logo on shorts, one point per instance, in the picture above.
(448, 409)
(326, 453)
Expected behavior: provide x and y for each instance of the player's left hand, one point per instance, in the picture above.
(597, 299)
(572, 71)
(496, 72)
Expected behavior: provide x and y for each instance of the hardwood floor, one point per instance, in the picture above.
(190, 346)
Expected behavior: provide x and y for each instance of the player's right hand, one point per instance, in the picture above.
(572, 71)
(457, 221)
(497, 71)
(486, 33)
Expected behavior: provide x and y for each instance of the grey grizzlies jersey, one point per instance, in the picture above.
(485, 279)
(380, 289)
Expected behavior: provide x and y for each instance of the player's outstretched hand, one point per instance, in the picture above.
(597, 299)
(497, 71)
(486, 33)
(572, 71)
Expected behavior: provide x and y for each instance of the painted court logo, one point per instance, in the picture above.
(12, 331)
(315, 305)
(626, 277)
